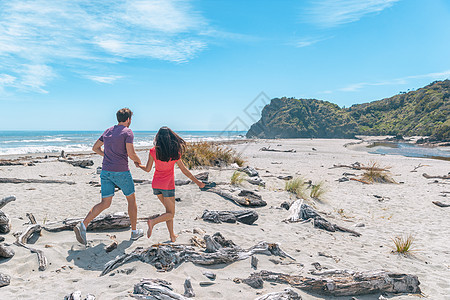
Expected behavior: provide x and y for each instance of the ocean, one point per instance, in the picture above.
(24, 142)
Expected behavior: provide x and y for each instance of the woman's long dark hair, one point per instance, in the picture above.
(168, 145)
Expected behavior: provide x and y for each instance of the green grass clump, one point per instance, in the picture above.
(375, 173)
(403, 245)
(296, 186)
(317, 190)
(237, 178)
(209, 154)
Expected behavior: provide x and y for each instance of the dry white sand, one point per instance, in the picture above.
(407, 209)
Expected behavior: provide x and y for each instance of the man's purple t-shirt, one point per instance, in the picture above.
(115, 149)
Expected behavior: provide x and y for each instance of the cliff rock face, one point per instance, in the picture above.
(422, 112)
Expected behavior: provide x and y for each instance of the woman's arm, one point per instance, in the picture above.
(149, 165)
(189, 175)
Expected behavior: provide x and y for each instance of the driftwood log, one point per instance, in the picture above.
(256, 181)
(79, 163)
(188, 289)
(22, 240)
(244, 198)
(4, 280)
(155, 289)
(6, 200)
(435, 176)
(276, 150)
(77, 296)
(300, 211)
(218, 250)
(6, 251)
(249, 171)
(287, 294)
(346, 283)
(243, 216)
(5, 224)
(117, 220)
(440, 204)
(17, 180)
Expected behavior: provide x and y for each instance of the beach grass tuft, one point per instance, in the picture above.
(237, 178)
(317, 190)
(375, 173)
(402, 245)
(296, 186)
(210, 154)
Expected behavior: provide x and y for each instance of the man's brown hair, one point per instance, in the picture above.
(123, 114)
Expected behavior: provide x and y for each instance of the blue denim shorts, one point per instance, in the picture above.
(165, 193)
(110, 180)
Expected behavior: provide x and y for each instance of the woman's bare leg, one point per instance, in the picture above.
(169, 204)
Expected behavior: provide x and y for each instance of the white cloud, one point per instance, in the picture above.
(104, 79)
(397, 81)
(38, 37)
(332, 13)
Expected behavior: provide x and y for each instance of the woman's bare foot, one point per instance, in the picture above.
(150, 228)
(173, 238)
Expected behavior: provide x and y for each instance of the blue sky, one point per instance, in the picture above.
(197, 65)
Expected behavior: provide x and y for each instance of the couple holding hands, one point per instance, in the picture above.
(117, 143)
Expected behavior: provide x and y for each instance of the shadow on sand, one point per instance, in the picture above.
(95, 258)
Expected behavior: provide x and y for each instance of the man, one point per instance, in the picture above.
(118, 146)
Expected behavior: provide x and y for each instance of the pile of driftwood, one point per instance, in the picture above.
(300, 211)
(218, 250)
(342, 282)
(243, 216)
(5, 250)
(161, 289)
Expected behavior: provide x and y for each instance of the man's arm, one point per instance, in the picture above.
(132, 154)
(97, 148)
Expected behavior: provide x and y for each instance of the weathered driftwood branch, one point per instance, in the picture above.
(188, 289)
(6, 251)
(6, 200)
(276, 150)
(117, 220)
(244, 198)
(155, 289)
(359, 166)
(438, 177)
(440, 204)
(17, 180)
(300, 211)
(243, 216)
(256, 181)
(79, 163)
(4, 280)
(359, 180)
(22, 239)
(218, 251)
(77, 296)
(249, 171)
(5, 224)
(347, 283)
(287, 294)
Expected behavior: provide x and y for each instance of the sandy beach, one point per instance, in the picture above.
(400, 209)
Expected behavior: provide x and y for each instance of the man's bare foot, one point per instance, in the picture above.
(150, 228)
(173, 238)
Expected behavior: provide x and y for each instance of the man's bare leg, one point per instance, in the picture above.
(97, 209)
(132, 210)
